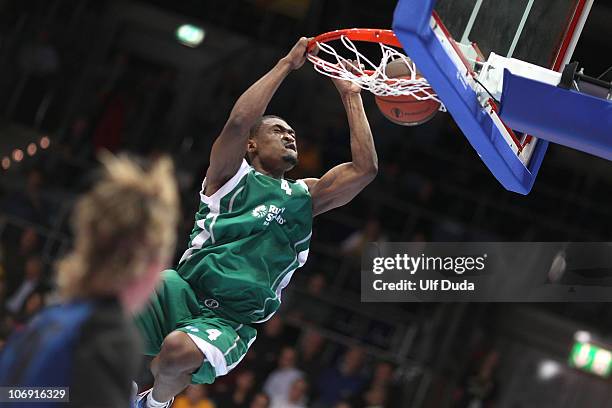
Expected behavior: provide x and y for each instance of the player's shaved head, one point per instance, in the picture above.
(255, 128)
(272, 145)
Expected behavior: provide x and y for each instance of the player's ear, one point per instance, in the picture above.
(251, 145)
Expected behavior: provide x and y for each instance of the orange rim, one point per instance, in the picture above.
(374, 35)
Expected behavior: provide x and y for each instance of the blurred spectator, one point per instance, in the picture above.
(309, 354)
(419, 237)
(29, 205)
(265, 350)
(383, 374)
(426, 191)
(108, 133)
(195, 396)
(343, 404)
(33, 278)
(279, 382)
(28, 244)
(374, 397)
(109, 130)
(3, 276)
(124, 236)
(4, 334)
(380, 391)
(355, 244)
(342, 382)
(239, 395)
(260, 400)
(353, 247)
(74, 154)
(33, 304)
(480, 390)
(296, 397)
(308, 306)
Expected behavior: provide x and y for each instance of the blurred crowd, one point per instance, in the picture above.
(288, 366)
(280, 372)
(34, 233)
(322, 350)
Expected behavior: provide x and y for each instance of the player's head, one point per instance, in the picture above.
(272, 144)
(124, 233)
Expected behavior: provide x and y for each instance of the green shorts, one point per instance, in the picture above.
(175, 306)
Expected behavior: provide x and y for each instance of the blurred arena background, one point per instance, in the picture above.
(81, 76)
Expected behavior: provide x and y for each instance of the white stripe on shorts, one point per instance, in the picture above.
(214, 356)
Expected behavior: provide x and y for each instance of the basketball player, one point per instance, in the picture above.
(124, 235)
(252, 231)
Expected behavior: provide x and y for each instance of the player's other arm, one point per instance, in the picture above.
(342, 183)
(230, 147)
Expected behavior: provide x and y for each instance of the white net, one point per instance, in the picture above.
(370, 76)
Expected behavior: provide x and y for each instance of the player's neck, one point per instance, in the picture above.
(277, 174)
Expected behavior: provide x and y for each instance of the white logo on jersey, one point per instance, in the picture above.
(260, 211)
(275, 214)
(272, 213)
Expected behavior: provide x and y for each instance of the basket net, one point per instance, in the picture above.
(371, 76)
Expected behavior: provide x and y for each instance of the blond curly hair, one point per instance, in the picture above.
(125, 223)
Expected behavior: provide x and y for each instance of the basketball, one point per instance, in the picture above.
(406, 110)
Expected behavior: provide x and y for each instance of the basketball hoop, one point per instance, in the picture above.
(365, 73)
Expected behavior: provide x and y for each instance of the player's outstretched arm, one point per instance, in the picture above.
(342, 183)
(230, 147)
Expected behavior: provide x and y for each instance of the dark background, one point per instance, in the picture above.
(86, 75)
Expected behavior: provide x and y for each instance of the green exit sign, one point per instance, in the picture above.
(591, 358)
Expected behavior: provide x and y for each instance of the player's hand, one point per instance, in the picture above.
(347, 87)
(297, 55)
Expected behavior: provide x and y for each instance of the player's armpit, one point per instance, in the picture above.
(338, 186)
(226, 155)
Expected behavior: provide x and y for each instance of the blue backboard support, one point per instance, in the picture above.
(412, 23)
(507, 28)
(564, 116)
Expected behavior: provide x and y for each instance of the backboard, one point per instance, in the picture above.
(449, 40)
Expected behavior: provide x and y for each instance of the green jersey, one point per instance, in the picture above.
(248, 239)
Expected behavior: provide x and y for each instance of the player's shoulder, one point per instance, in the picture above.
(308, 183)
(299, 182)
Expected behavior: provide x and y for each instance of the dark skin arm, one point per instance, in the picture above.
(230, 147)
(342, 183)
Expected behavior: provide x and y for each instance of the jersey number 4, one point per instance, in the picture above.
(285, 186)
(213, 334)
